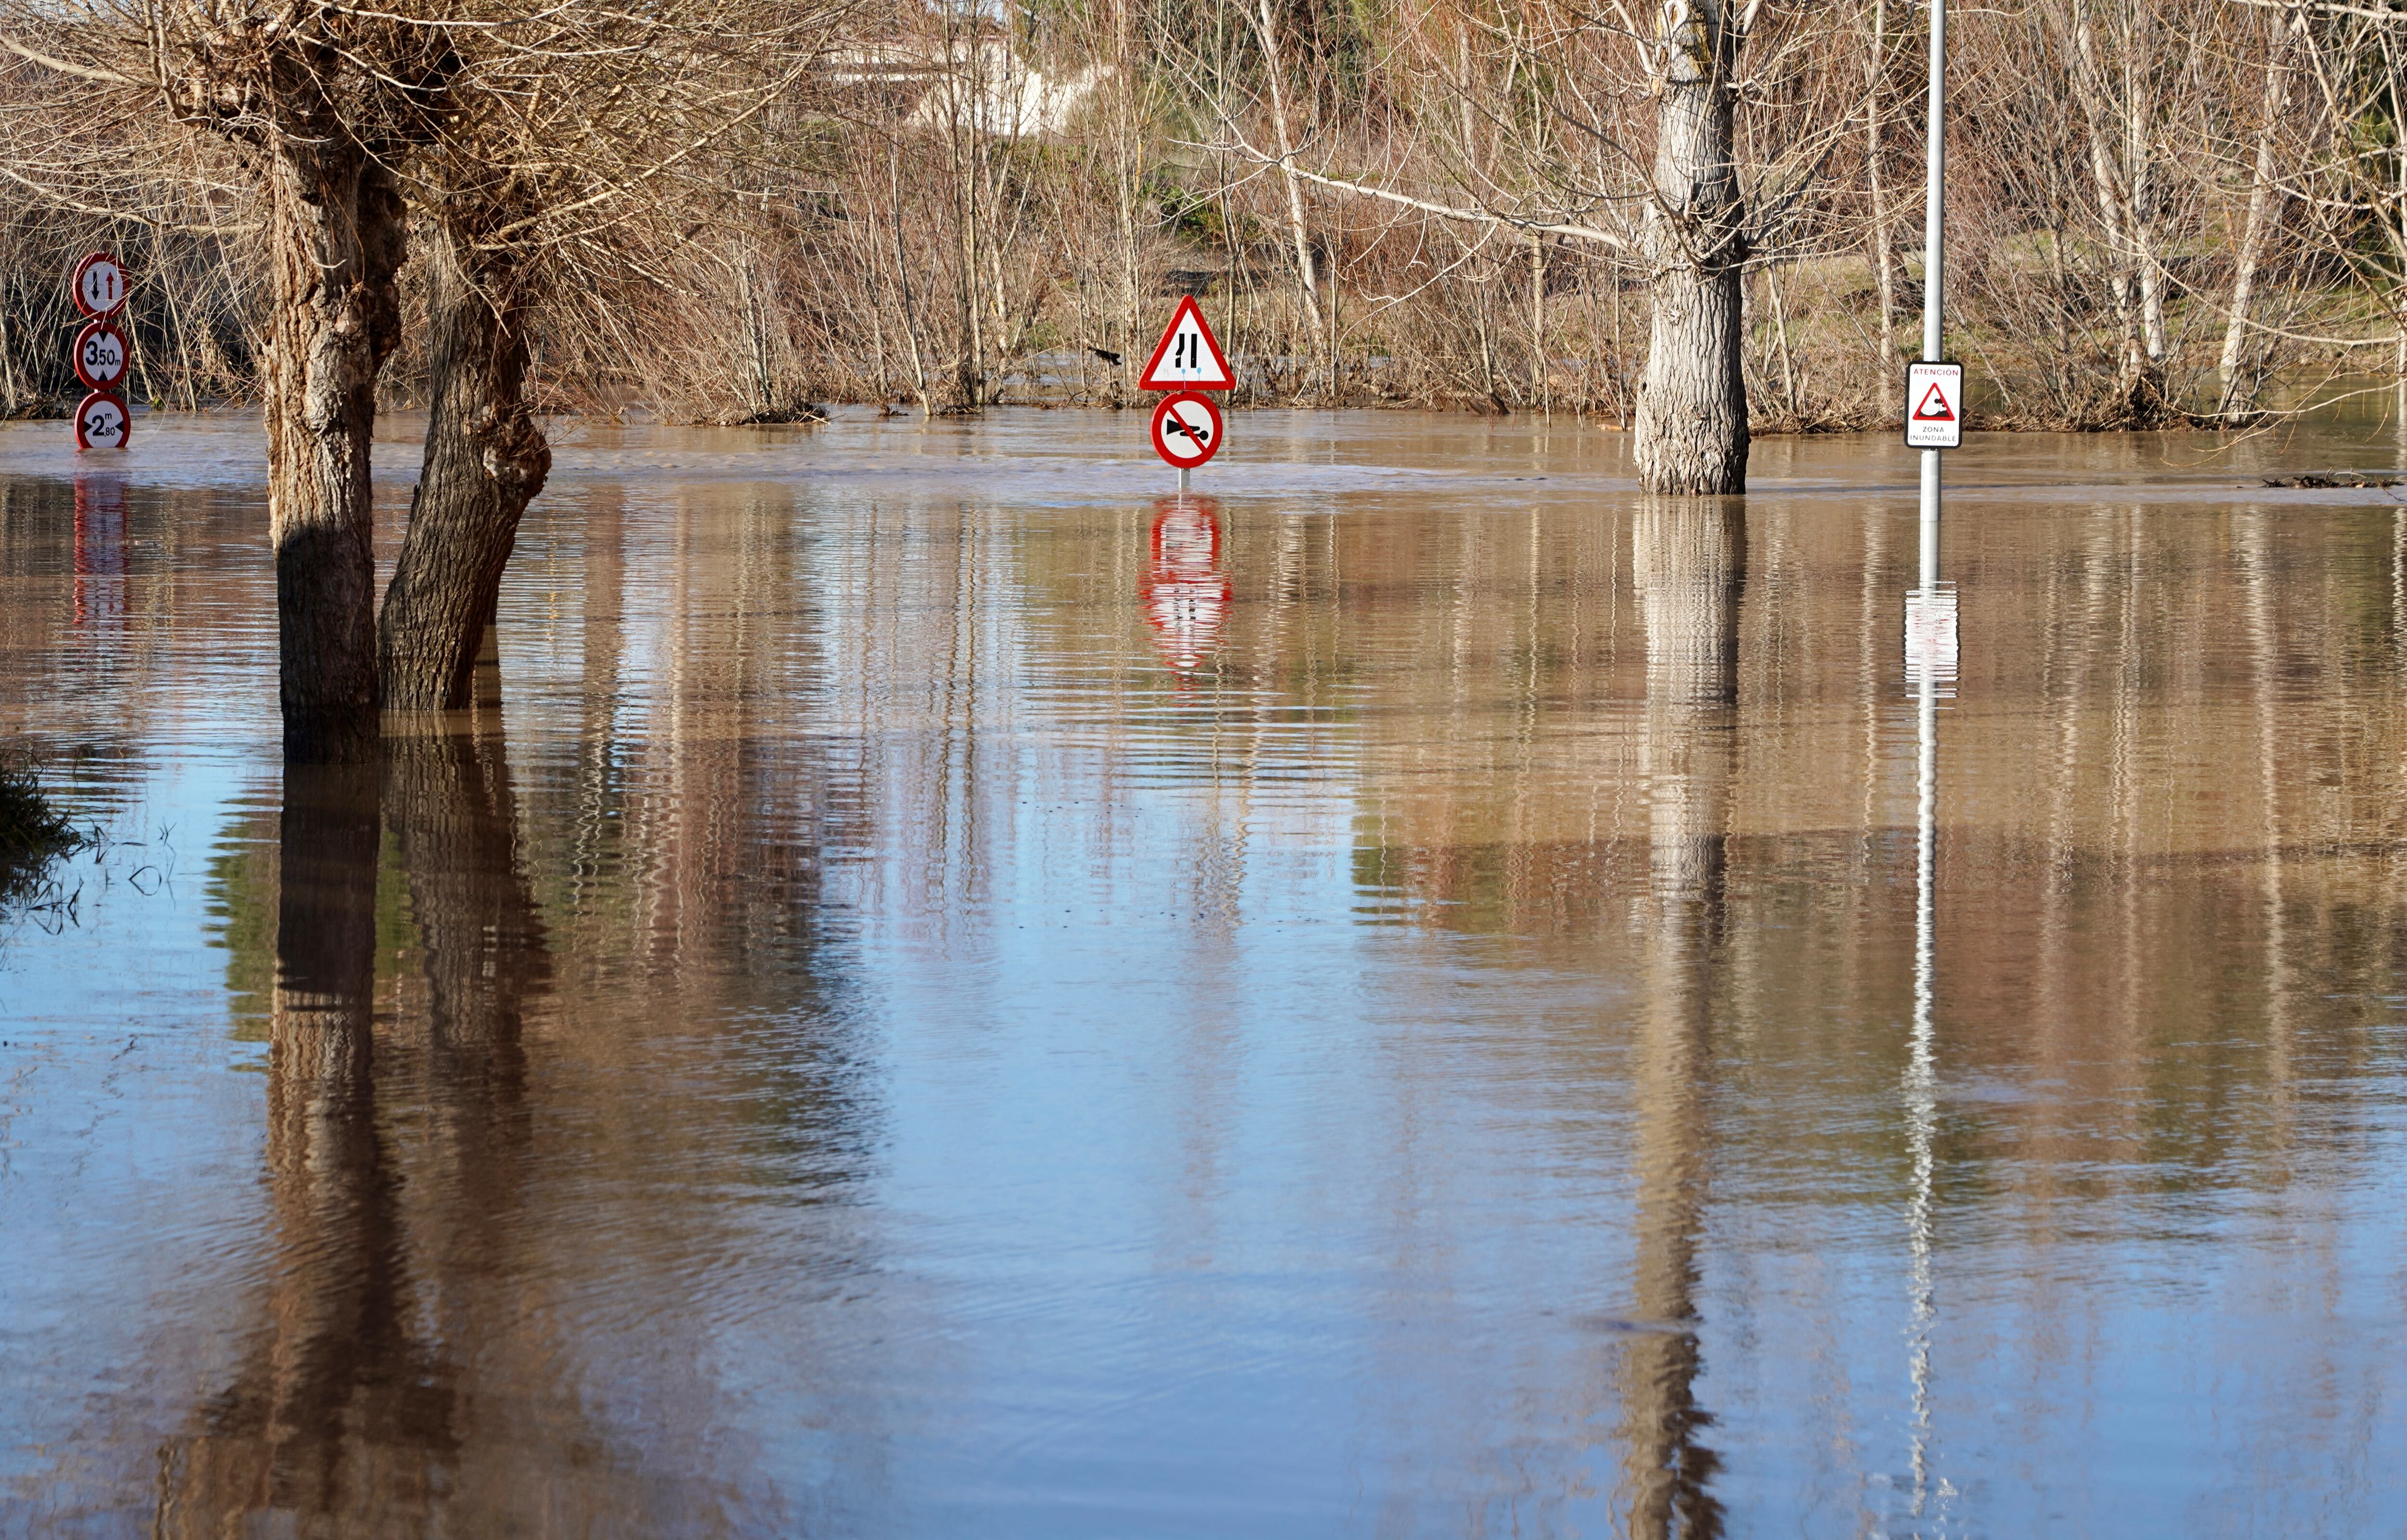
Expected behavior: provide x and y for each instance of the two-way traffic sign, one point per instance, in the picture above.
(1934, 406)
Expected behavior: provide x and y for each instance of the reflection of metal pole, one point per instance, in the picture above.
(1934, 273)
(1921, 1078)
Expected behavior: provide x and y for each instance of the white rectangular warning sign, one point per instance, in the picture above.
(1934, 406)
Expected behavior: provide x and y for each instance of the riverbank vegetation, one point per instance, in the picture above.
(1694, 217)
(2158, 206)
(33, 831)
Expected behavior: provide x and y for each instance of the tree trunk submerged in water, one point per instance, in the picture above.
(486, 460)
(337, 244)
(1692, 406)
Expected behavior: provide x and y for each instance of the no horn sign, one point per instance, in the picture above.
(1186, 430)
(1934, 406)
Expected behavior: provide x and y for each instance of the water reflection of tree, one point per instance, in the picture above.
(448, 801)
(396, 1159)
(644, 932)
(1690, 569)
(341, 1353)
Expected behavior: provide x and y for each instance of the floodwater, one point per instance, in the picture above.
(1415, 995)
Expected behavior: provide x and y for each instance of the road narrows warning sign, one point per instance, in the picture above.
(1934, 417)
(1188, 358)
(1186, 430)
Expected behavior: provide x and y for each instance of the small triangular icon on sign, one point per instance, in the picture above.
(1188, 358)
(1934, 407)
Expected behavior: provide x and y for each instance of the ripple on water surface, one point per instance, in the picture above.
(961, 993)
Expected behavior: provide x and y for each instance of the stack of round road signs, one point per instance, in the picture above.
(102, 355)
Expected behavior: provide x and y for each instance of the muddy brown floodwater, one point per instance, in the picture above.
(962, 996)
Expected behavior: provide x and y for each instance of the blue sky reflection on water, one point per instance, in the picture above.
(964, 998)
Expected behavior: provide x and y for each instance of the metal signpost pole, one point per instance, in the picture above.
(1929, 650)
(1934, 276)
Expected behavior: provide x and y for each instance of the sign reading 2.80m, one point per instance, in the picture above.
(102, 353)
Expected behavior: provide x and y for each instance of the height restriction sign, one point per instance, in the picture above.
(1934, 406)
(1188, 358)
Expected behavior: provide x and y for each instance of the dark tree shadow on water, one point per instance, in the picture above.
(338, 1355)
(1692, 574)
(344, 1417)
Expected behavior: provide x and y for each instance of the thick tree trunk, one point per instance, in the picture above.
(486, 460)
(335, 240)
(1692, 405)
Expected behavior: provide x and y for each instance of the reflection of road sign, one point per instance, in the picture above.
(1931, 637)
(99, 285)
(1186, 430)
(1935, 415)
(1188, 358)
(100, 552)
(1186, 592)
(100, 356)
(102, 422)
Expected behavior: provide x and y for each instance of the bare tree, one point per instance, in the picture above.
(316, 99)
(1692, 406)
(569, 151)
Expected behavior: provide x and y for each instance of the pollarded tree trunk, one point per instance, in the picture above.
(486, 460)
(336, 242)
(1692, 404)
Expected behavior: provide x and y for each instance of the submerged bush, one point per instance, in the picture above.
(33, 831)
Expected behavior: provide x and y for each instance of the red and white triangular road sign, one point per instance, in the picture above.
(1188, 358)
(1934, 407)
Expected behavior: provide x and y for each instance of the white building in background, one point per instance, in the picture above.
(980, 82)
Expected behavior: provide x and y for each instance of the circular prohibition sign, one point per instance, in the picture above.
(100, 286)
(100, 353)
(1186, 430)
(102, 422)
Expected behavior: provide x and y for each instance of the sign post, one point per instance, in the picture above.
(102, 354)
(1934, 281)
(1934, 403)
(1934, 423)
(1186, 427)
